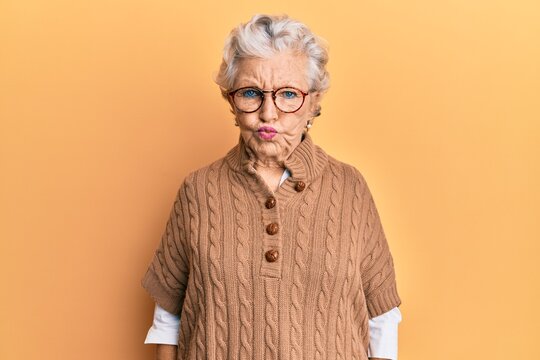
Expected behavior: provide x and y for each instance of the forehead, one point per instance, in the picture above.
(282, 69)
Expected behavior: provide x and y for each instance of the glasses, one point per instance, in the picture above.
(250, 99)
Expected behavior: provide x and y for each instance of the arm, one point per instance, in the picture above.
(166, 281)
(379, 284)
(164, 333)
(166, 352)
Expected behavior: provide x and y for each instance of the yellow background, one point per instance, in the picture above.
(105, 106)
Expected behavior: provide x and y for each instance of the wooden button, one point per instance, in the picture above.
(272, 228)
(271, 255)
(300, 186)
(270, 202)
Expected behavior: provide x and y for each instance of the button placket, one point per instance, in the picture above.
(272, 241)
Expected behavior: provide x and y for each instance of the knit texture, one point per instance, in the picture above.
(333, 272)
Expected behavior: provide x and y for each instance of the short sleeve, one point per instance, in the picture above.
(377, 265)
(168, 273)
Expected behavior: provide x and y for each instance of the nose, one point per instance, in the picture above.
(268, 111)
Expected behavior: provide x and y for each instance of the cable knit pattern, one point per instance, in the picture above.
(352, 265)
(258, 274)
(271, 318)
(299, 268)
(342, 310)
(215, 265)
(243, 273)
(193, 225)
(329, 258)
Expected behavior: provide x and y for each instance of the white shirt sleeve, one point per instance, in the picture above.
(164, 329)
(383, 333)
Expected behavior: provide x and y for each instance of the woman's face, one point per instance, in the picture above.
(281, 70)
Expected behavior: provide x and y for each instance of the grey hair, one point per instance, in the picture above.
(266, 35)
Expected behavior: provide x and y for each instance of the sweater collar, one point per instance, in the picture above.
(305, 162)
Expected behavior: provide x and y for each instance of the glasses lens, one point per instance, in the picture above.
(248, 99)
(289, 99)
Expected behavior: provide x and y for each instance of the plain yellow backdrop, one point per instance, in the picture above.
(105, 106)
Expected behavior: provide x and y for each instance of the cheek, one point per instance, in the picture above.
(247, 119)
(295, 124)
(302, 116)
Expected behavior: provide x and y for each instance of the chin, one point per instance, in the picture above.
(267, 148)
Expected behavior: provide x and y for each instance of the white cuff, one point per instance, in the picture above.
(164, 328)
(383, 335)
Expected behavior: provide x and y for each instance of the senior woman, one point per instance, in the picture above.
(276, 250)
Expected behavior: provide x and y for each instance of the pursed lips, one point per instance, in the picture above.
(266, 132)
(267, 129)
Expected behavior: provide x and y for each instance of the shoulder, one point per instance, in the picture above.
(348, 171)
(204, 175)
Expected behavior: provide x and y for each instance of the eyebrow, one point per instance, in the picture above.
(277, 87)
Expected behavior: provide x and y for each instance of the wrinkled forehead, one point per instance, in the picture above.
(279, 70)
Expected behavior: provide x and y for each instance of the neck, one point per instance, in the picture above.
(305, 162)
(272, 163)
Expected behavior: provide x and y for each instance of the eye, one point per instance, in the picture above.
(249, 93)
(288, 94)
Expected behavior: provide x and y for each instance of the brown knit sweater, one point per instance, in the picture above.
(256, 274)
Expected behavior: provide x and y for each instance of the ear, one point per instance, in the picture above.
(315, 107)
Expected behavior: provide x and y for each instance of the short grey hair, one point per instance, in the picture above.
(266, 35)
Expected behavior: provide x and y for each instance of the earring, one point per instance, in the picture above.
(235, 123)
(309, 124)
